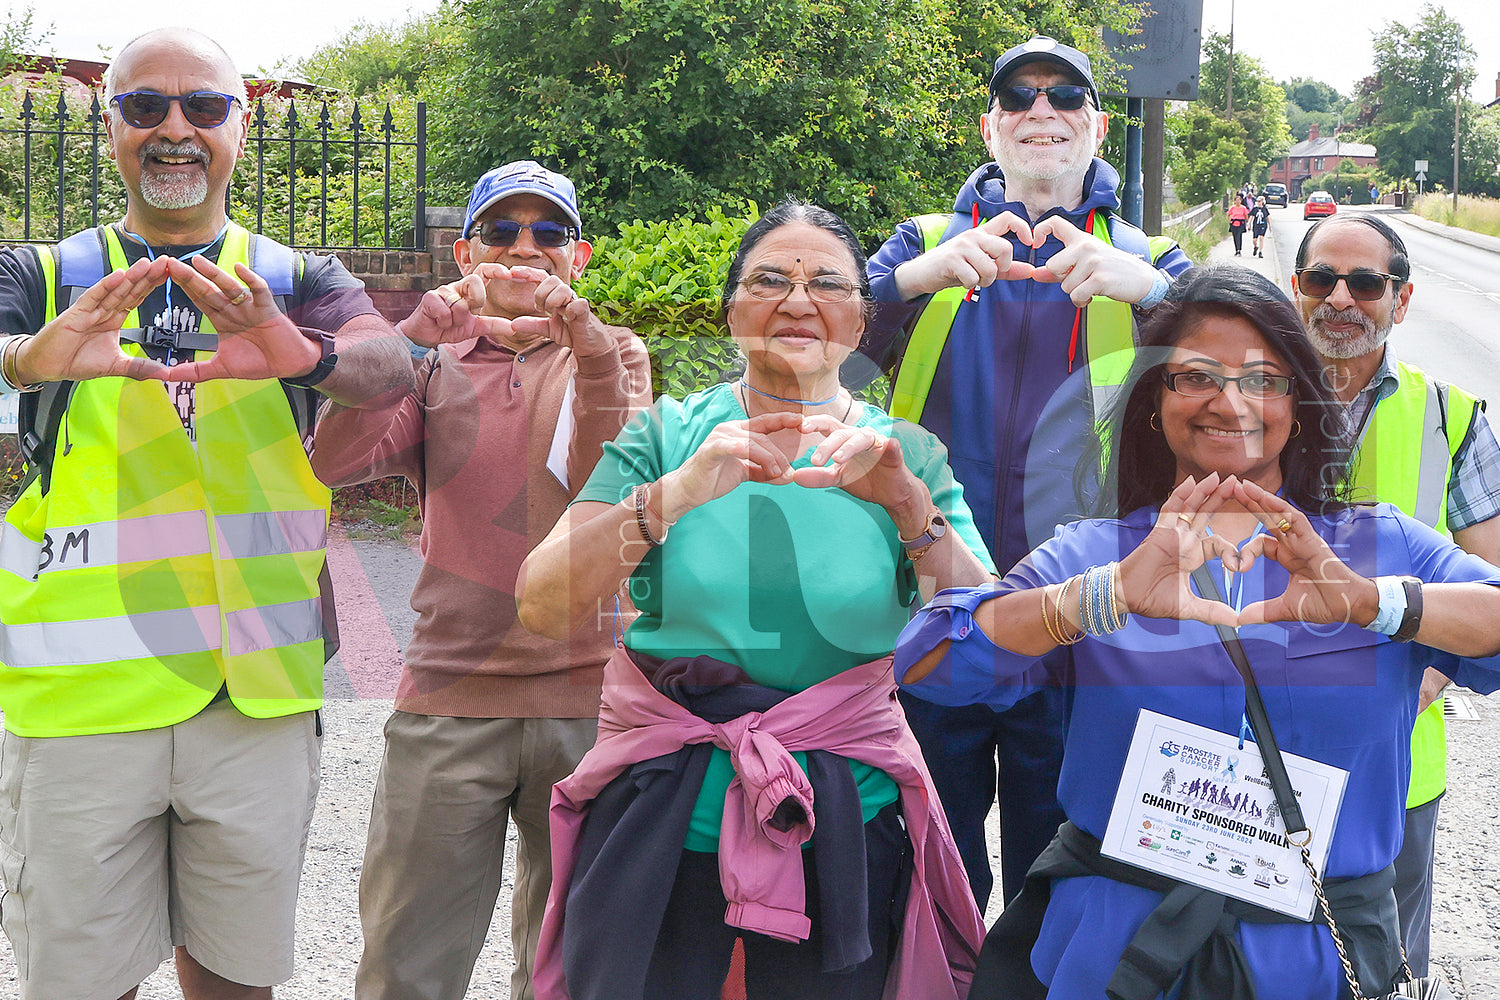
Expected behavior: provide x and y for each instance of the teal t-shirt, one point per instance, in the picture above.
(792, 585)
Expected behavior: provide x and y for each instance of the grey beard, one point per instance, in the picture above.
(176, 191)
(1344, 348)
(167, 195)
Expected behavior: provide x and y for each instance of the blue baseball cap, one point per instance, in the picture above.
(1043, 49)
(521, 177)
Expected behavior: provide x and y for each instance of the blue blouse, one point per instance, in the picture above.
(1339, 694)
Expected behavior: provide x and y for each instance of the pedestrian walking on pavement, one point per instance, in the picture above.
(1238, 216)
(1260, 221)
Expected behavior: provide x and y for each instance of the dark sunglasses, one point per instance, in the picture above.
(503, 232)
(1365, 286)
(148, 109)
(1063, 97)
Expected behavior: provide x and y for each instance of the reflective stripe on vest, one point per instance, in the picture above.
(1413, 474)
(1110, 332)
(153, 571)
(158, 536)
(157, 634)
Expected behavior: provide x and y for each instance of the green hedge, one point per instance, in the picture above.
(663, 280)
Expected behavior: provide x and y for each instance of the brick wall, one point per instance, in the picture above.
(396, 279)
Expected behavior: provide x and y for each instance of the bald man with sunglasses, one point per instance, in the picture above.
(164, 615)
(518, 386)
(1422, 444)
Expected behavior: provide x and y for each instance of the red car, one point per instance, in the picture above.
(1319, 203)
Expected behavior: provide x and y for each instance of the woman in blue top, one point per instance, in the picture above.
(1227, 453)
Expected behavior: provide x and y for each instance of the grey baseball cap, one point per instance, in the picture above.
(1043, 49)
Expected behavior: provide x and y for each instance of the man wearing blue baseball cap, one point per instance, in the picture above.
(519, 388)
(1005, 321)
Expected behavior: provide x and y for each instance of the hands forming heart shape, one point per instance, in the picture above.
(866, 464)
(255, 339)
(979, 257)
(1321, 588)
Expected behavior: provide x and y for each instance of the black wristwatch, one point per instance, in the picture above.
(1411, 621)
(325, 363)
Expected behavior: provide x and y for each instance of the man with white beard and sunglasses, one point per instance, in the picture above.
(164, 613)
(1421, 444)
(1007, 323)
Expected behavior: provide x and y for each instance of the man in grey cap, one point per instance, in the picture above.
(994, 316)
(520, 387)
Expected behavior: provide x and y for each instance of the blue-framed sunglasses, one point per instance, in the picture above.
(148, 109)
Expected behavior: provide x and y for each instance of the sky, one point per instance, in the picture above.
(1330, 40)
(1326, 40)
(257, 34)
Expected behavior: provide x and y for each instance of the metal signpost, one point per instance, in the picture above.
(1160, 63)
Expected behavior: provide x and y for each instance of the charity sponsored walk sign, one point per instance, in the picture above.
(1195, 804)
(8, 413)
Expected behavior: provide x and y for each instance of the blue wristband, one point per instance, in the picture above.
(1153, 298)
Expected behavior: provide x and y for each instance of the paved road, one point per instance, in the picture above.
(374, 576)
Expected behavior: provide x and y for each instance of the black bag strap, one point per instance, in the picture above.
(1255, 710)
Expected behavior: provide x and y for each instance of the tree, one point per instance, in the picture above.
(1215, 151)
(391, 57)
(20, 35)
(657, 108)
(1407, 104)
(1259, 104)
(1310, 102)
(1210, 153)
(1312, 95)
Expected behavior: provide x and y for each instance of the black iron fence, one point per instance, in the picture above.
(319, 174)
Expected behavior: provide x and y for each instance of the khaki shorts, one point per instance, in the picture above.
(115, 847)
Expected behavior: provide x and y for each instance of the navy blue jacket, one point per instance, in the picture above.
(1003, 400)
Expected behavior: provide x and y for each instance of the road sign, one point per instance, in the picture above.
(1421, 175)
(1421, 166)
(1161, 59)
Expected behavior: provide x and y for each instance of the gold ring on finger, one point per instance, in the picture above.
(1185, 518)
(1283, 525)
(244, 294)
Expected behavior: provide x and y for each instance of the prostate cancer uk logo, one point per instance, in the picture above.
(1196, 756)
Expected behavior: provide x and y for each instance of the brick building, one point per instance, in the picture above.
(1317, 155)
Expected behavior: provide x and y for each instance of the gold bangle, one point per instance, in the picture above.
(8, 371)
(1047, 618)
(1057, 623)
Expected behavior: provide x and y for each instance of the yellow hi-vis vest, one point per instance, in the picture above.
(1110, 332)
(1406, 459)
(142, 574)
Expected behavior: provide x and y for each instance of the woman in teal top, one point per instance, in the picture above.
(776, 525)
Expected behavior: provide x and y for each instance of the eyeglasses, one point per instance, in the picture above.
(1364, 286)
(820, 288)
(1202, 384)
(1063, 97)
(503, 232)
(148, 109)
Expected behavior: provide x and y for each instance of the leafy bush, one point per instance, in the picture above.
(664, 280)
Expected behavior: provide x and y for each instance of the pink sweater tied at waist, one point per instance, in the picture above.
(853, 714)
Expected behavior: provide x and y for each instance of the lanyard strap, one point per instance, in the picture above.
(1255, 710)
